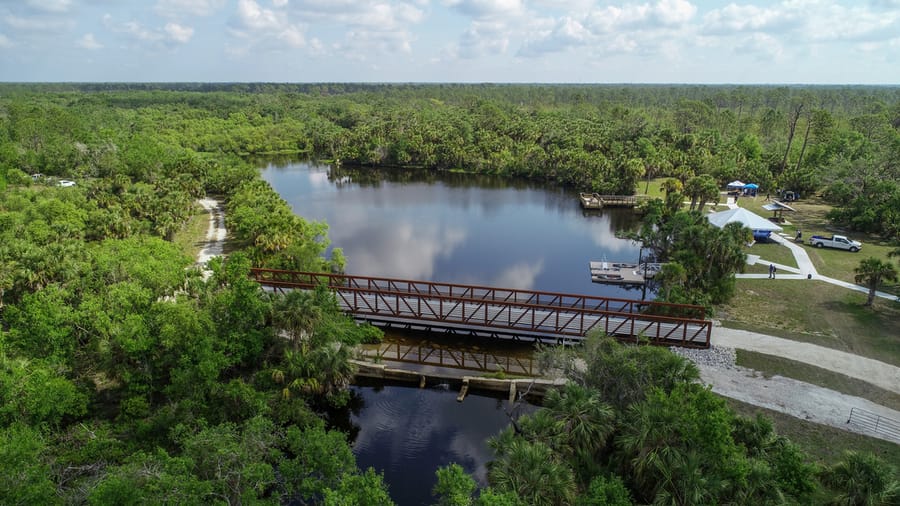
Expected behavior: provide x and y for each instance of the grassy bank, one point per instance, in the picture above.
(816, 312)
(823, 443)
(192, 235)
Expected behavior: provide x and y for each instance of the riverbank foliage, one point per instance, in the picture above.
(128, 375)
(633, 426)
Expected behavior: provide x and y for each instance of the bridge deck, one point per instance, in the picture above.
(518, 314)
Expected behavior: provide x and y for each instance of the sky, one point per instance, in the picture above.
(507, 41)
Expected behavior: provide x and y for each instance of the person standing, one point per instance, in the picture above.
(771, 271)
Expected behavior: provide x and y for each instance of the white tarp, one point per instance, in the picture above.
(750, 220)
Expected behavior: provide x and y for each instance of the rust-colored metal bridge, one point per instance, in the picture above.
(500, 312)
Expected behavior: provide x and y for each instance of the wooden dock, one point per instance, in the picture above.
(622, 273)
(597, 201)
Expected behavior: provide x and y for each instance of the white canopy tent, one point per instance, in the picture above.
(735, 184)
(750, 220)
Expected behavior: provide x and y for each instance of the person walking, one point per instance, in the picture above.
(771, 271)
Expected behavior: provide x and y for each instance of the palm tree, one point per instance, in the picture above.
(533, 472)
(297, 314)
(586, 422)
(862, 479)
(670, 275)
(872, 271)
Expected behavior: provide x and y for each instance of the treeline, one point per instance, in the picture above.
(127, 374)
(634, 426)
(840, 142)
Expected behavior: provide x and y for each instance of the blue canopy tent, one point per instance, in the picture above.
(750, 189)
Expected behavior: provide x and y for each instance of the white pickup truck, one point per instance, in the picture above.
(835, 241)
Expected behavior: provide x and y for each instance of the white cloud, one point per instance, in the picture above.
(372, 14)
(664, 13)
(370, 45)
(139, 32)
(764, 46)
(258, 26)
(50, 5)
(36, 23)
(5, 43)
(567, 33)
(741, 18)
(178, 8)
(521, 275)
(255, 17)
(179, 33)
(483, 38)
(87, 41)
(487, 9)
(168, 35)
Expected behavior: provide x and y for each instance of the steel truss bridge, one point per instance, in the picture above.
(499, 312)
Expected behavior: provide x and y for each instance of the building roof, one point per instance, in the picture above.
(778, 206)
(750, 220)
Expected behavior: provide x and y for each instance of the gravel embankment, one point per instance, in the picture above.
(720, 357)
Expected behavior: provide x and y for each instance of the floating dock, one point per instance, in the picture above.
(622, 273)
(597, 201)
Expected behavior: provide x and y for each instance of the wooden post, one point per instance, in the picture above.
(463, 391)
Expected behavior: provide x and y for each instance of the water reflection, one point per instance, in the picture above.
(458, 227)
(408, 433)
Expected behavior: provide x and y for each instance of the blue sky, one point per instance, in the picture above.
(592, 41)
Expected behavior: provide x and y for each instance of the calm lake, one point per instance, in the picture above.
(453, 228)
(458, 228)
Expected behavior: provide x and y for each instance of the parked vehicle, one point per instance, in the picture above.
(835, 241)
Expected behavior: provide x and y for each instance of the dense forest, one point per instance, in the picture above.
(129, 375)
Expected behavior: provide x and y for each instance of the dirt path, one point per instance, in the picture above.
(880, 374)
(796, 398)
(214, 245)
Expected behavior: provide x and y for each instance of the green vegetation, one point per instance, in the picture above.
(633, 426)
(125, 376)
(822, 443)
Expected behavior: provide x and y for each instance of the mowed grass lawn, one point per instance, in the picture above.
(810, 218)
(811, 310)
(816, 312)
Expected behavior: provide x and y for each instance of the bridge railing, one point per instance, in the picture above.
(275, 277)
(497, 311)
(454, 359)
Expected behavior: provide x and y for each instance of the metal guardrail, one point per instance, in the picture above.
(875, 424)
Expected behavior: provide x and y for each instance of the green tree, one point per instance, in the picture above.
(454, 487)
(862, 479)
(873, 271)
(24, 471)
(701, 189)
(534, 473)
(155, 478)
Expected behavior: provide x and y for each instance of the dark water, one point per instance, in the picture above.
(452, 228)
(407, 433)
(459, 228)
